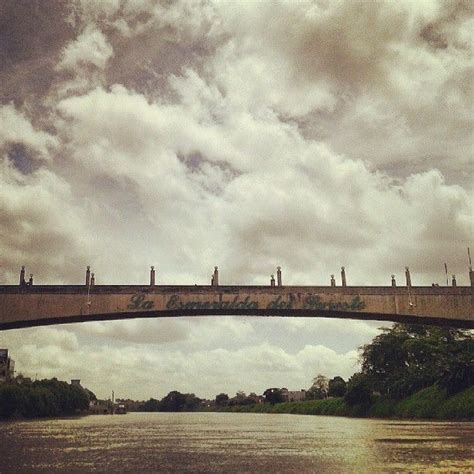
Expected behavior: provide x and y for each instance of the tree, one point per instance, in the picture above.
(407, 358)
(90, 394)
(41, 398)
(319, 389)
(457, 367)
(68, 399)
(176, 401)
(359, 390)
(222, 399)
(242, 399)
(12, 401)
(20, 379)
(151, 405)
(336, 387)
(40, 402)
(191, 402)
(273, 395)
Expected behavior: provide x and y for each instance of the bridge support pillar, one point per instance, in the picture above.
(279, 276)
(407, 276)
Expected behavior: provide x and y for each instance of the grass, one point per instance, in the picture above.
(422, 404)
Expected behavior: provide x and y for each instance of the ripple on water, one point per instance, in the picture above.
(226, 442)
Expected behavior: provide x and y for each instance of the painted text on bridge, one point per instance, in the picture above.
(140, 302)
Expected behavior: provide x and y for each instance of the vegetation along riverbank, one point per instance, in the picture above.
(407, 371)
(23, 398)
(429, 403)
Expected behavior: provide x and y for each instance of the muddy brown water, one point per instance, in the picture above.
(234, 442)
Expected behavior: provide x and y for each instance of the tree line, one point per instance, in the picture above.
(396, 364)
(24, 398)
(174, 401)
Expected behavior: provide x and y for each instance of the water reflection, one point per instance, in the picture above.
(226, 442)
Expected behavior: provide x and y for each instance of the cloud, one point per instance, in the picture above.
(15, 127)
(369, 79)
(303, 134)
(90, 48)
(39, 224)
(137, 331)
(143, 371)
(313, 197)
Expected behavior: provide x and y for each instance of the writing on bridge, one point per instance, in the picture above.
(176, 302)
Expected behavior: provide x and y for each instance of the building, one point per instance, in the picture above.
(293, 395)
(101, 407)
(131, 405)
(7, 366)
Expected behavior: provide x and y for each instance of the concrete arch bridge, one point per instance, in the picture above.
(27, 305)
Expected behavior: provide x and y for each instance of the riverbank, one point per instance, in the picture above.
(429, 403)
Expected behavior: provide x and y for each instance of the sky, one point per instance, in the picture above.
(251, 134)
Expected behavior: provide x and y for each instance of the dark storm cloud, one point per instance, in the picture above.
(32, 34)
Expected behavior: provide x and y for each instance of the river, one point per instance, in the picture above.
(234, 442)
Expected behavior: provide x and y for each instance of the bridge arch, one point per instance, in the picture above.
(45, 305)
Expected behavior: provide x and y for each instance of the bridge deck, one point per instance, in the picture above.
(24, 306)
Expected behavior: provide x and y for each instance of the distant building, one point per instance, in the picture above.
(131, 405)
(7, 366)
(293, 395)
(101, 407)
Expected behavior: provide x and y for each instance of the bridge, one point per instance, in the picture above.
(28, 305)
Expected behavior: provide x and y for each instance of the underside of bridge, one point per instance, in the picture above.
(28, 306)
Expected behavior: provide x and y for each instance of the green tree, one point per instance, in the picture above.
(319, 389)
(336, 387)
(192, 402)
(359, 390)
(40, 402)
(273, 395)
(457, 367)
(91, 395)
(222, 399)
(151, 405)
(177, 401)
(68, 399)
(12, 401)
(174, 401)
(23, 398)
(407, 358)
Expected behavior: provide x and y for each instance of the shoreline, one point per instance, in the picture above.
(429, 404)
